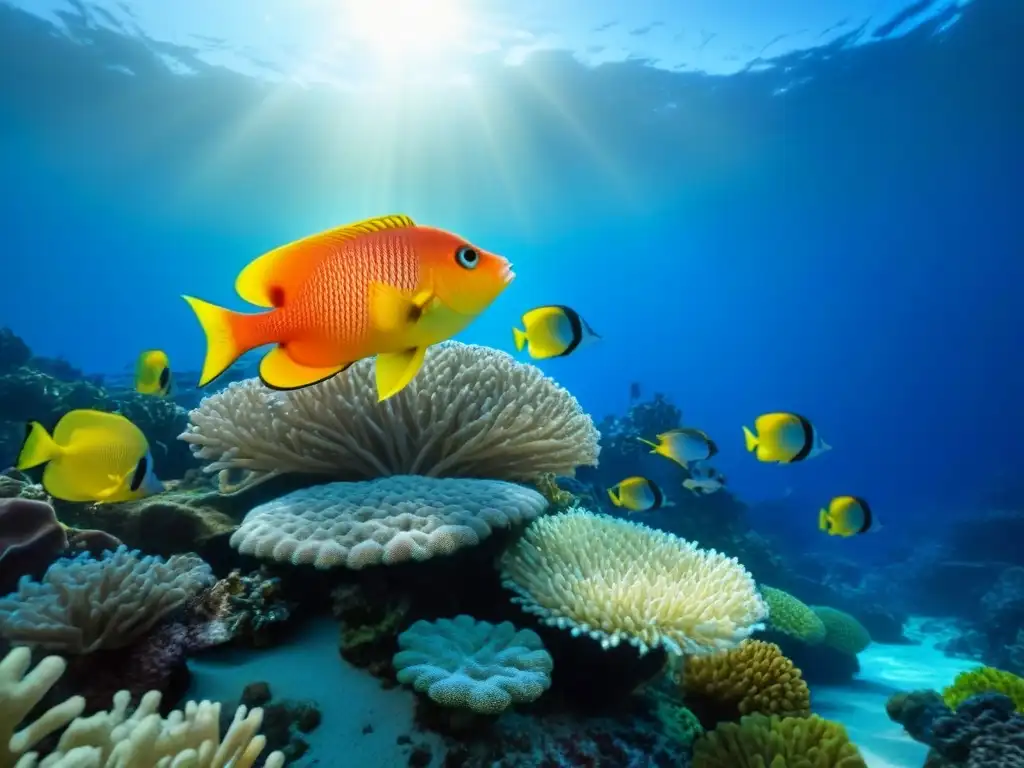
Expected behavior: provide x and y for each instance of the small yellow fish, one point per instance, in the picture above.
(683, 445)
(552, 331)
(784, 438)
(638, 494)
(92, 456)
(847, 516)
(153, 373)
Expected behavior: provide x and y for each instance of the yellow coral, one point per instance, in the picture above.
(792, 617)
(758, 741)
(842, 631)
(753, 678)
(984, 680)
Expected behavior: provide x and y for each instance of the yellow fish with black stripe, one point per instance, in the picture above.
(153, 373)
(638, 494)
(847, 516)
(552, 331)
(784, 438)
(683, 445)
(92, 456)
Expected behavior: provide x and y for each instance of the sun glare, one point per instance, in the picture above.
(405, 30)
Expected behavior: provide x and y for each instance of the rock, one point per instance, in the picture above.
(255, 695)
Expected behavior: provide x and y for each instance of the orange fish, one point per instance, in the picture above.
(383, 287)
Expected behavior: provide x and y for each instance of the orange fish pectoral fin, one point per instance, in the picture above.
(394, 370)
(279, 371)
(392, 311)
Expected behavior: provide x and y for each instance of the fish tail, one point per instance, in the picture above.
(822, 520)
(616, 500)
(229, 335)
(38, 447)
(751, 439)
(519, 337)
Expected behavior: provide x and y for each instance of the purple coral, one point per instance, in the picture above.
(31, 538)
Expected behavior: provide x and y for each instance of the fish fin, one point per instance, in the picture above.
(520, 339)
(37, 448)
(648, 442)
(825, 446)
(223, 346)
(392, 311)
(396, 369)
(616, 500)
(691, 486)
(751, 439)
(279, 371)
(822, 520)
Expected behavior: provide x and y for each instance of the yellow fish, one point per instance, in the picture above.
(638, 494)
(92, 456)
(784, 438)
(553, 331)
(847, 516)
(153, 373)
(683, 445)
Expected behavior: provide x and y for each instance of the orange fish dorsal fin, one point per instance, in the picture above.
(270, 279)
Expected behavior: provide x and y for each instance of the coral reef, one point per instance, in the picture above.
(790, 616)
(471, 411)
(758, 741)
(614, 580)
(31, 538)
(984, 680)
(474, 665)
(285, 723)
(249, 609)
(842, 631)
(386, 521)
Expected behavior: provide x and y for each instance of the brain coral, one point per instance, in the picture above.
(472, 664)
(752, 678)
(471, 411)
(758, 741)
(842, 631)
(83, 605)
(788, 615)
(984, 680)
(615, 580)
(387, 521)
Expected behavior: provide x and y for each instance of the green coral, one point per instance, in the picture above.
(842, 631)
(984, 680)
(758, 741)
(677, 722)
(792, 617)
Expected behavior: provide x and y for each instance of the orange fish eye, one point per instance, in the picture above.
(467, 257)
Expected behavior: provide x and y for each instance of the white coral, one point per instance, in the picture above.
(615, 580)
(473, 664)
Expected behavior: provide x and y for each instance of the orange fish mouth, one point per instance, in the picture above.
(507, 274)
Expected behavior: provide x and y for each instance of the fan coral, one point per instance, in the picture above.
(790, 616)
(753, 678)
(83, 605)
(471, 664)
(842, 631)
(985, 680)
(615, 580)
(391, 520)
(792, 742)
(471, 411)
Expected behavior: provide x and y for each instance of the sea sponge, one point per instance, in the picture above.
(616, 580)
(83, 604)
(115, 738)
(474, 665)
(391, 520)
(842, 631)
(792, 617)
(984, 680)
(471, 411)
(753, 678)
(758, 741)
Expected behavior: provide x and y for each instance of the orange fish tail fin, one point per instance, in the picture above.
(38, 447)
(229, 335)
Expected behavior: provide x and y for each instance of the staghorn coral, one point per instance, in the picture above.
(753, 678)
(615, 580)
(83, 605)
(471, 411)
(386, 521)
(984, 680)
(790, 616)
(758, 741)
(482, 667)
(842, 631)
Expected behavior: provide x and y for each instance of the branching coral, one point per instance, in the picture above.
(842, 631)
(790, 616)
(83, 605)
(615, 580)
(472, 664)
(391, 520)
(471, 411)
(984, 680)
(753, 678)
(758, 741)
